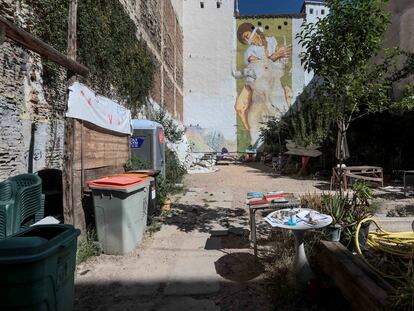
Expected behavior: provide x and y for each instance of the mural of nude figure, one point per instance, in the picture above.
(263, 95)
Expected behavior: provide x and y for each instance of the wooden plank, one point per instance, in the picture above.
(363, 167)
(359, 287)
(67, 172)
(2, 33)
(356, 176)
(101, 147)
(29, 41)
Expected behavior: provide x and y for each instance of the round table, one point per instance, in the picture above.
(301, 264)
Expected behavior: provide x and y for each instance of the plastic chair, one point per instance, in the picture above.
(7, 210)
(29, 201)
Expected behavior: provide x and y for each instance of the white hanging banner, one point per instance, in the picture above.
(84, 104)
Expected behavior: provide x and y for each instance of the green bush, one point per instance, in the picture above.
(135, 163)
(87, 247)
(174, 173)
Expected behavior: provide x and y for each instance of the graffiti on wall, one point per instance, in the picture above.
(264, 75)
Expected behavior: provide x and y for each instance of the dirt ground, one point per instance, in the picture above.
(201, 258)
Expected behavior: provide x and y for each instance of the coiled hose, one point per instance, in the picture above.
(400, 245)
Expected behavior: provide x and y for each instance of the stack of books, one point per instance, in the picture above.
(255, 198)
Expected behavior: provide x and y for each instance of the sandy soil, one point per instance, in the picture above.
(201, 258)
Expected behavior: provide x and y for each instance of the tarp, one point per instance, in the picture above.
(84, 104)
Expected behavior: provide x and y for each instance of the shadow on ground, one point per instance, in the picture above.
(239, 267)
(183, 295)
(204, 219)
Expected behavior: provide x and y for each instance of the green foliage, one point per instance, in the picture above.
(135, 163)
(337, 206)
(346, 39)
(174, 173)
(87, 247)
(171, 130)
(345, 210)
(362, 193)
(354, 74)
(121, 65)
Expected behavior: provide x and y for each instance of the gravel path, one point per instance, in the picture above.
(184, 267)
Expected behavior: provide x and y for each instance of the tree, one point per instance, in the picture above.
(354, 73)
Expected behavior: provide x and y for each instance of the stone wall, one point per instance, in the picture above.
(31, 113)
(159, 26)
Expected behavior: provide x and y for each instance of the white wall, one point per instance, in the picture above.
(299, 77)
(313, 12)
(209, 58)
(178, 8)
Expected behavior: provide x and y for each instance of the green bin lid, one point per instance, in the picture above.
(36, 243)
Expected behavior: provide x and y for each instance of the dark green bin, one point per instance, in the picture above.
(37, 269)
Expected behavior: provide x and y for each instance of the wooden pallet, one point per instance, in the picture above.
(360, 286)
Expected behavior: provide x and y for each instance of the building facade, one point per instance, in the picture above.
(159, 24)
(209, 84)
(227, 98)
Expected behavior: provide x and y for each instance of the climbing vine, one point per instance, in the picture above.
(120, 64)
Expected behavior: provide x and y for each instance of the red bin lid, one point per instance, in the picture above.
(121, 182)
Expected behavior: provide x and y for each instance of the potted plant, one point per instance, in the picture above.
(336, 206)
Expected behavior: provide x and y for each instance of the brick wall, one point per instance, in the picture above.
(158, 26)
(31, 113)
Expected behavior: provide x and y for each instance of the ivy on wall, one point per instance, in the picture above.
(121, 65)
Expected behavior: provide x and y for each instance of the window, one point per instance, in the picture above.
(285, 23)
(218, 4)
(323, 12)
(259, 23)
(310, 10)
(202, 5)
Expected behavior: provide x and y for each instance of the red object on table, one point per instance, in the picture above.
(275, 196)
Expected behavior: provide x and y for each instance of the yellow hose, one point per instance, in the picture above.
(398, 244)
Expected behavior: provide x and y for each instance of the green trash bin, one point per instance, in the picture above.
(37, 269)
(121, 205)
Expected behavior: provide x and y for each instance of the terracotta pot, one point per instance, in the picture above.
(166, 206)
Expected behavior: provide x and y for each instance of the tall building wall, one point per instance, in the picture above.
(209, 86)
(267, 87)
(313, 10)
(159, 25)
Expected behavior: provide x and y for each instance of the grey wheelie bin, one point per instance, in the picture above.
(37, 268)
(121, 204)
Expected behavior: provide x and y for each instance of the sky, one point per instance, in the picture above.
(264, 7)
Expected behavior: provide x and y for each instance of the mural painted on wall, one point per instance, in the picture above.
(207, 139)
(264, 75)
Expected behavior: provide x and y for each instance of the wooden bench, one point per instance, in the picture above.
(360, 286)
(368, 173)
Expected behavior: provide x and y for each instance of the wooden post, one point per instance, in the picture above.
(2, 33)
(68, 159)
(27, 40)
